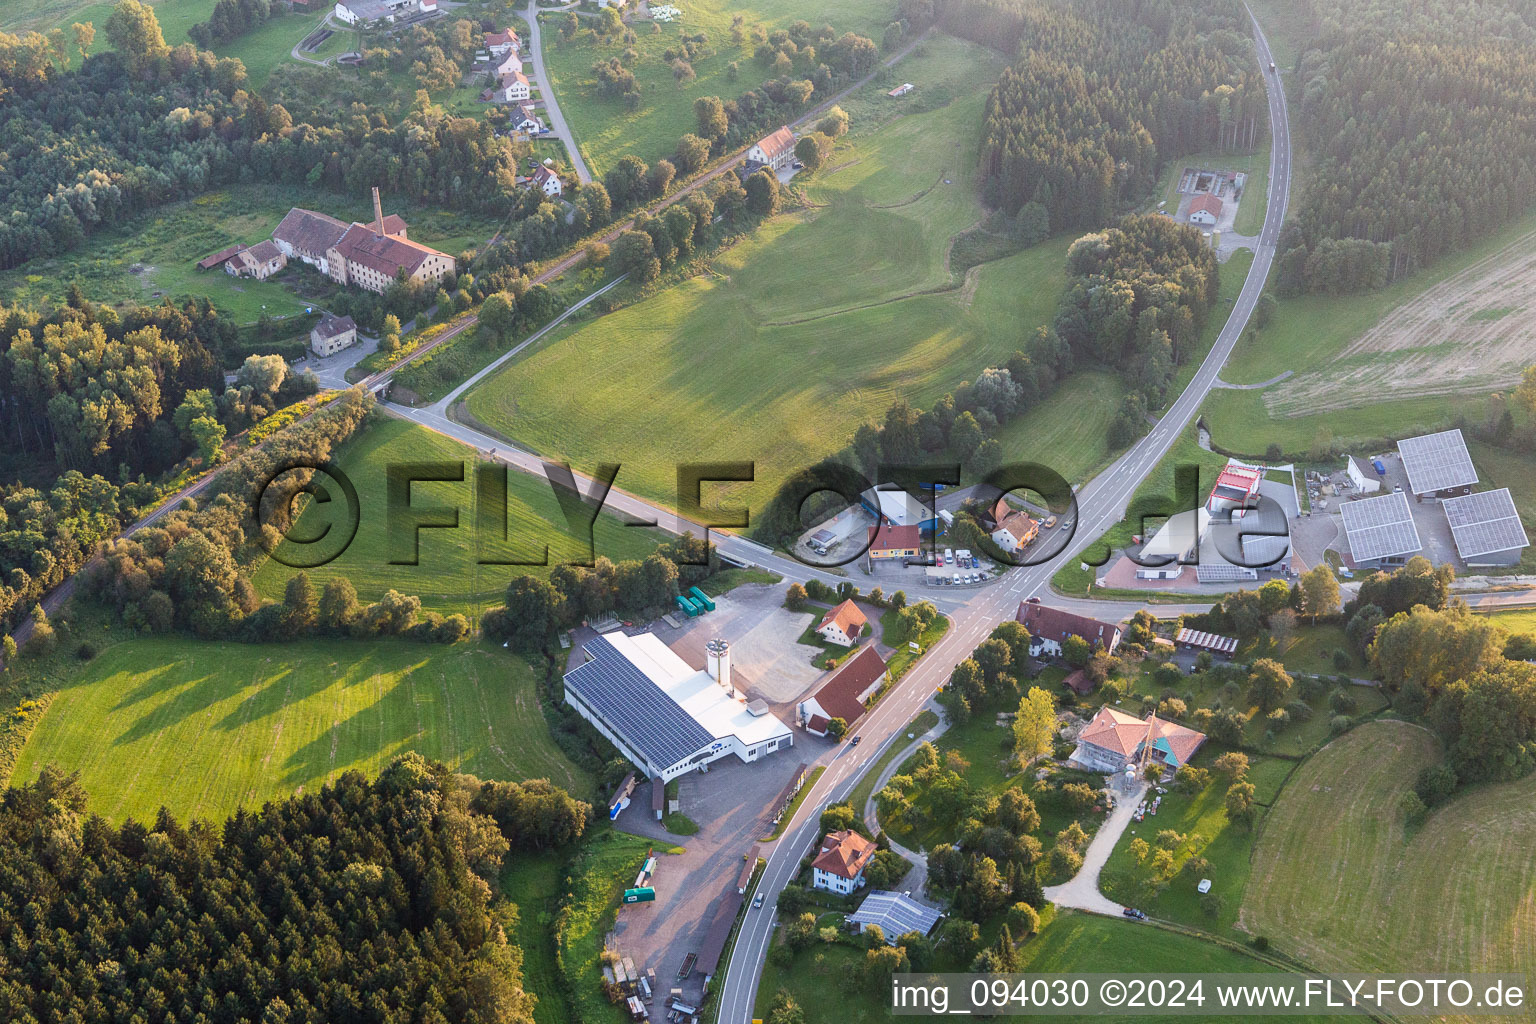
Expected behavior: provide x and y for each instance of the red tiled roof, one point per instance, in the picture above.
(1019, 526)
(839, 696)
(817, 723)
(386, 254)
(844, 854)
(1078, 682)
(209, 262)
(1056, 624)
(1207, 204)
(308, 232)
(542, 175)
(845, 616)
(501, 38)
(1123, 733)
(895, 538)
(777, 144)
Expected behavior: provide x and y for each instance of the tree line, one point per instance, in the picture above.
(232, 19)
(372, 901)
(1422, 125)
(1102, 95)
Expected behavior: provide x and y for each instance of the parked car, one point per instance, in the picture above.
(1132, 912)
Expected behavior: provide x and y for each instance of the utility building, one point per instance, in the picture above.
(667, 717)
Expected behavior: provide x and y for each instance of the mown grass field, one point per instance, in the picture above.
(204, 728)
(816, 324)
(533, 882)
(447, 576)
(155, 255)
(606, 131)
(1338, 881)
(1309, 333)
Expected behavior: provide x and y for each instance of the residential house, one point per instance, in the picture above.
(514, 88)
(502, 42)
(546, 181)
(842, 625)
(526, 120)
(331, 335)
(260, 261)
(1048, 627)
(888, 541)
(508, 63)
(843, 695)
(1113, 739)
(1204, 210)
(1017, 531)
(839, 866)
(776, 151)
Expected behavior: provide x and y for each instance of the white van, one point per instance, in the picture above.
(949, 556)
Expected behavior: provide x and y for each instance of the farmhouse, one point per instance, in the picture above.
(1016, 531)
(1380, 531)
(505, 41)
(1114, 739)
(843, 695)
(260, 261)
(775, 151)
(895, 913)
(894, 542)
(839, 866)
(1204, 210)
(331, 335)
(307, 235)
(546, 181)
(665, 716)
(1486, 528)
(1048, 627)
(842, 625)
(1438, 465)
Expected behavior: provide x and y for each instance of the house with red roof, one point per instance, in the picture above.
(839, 865)
(1114, 739)
(887, 541)
(842, 625)
(503, 42)
(1048, 627)
(1204, 210)
(843, 695)
(776, 151)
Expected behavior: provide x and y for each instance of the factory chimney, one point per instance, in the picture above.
(378, 213)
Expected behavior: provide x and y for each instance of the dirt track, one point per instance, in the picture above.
(1473, 332)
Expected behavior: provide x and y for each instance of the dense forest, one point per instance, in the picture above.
(145, 124)
(1421, 123)
(367, 901)
(1102, 95)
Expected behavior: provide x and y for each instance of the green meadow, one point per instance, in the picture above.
(818, 322)
(606, 131)
(447, 576)
(203, 727)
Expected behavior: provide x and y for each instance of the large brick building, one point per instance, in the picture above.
(368, 256)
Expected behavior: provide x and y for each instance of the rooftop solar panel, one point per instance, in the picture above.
(644, 714)
(1437, 462)
(1380, 527)
(895, 914)
(1485, 522)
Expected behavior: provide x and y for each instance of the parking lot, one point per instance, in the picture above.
(766, 660)
(732, 804)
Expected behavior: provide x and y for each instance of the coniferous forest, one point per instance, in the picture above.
(366, 902)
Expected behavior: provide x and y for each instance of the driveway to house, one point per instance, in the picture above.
(551, 105)
(1081, 891)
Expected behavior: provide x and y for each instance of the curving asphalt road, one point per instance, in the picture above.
(535, 55)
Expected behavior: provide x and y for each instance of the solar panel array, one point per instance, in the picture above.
(1485, 522)
(895, 914)
(1380, 527)
(636, 708)
(1209, 641)
(1437, 462)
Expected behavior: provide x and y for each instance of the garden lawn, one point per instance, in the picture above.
(447, 577)
(1339, 882)
(832, 314)
(203, 728)
(606, 131)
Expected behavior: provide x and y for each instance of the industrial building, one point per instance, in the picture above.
(898, 508)
(1380, 531)
(1438, 465)
(665, 716)
(1486, 527)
